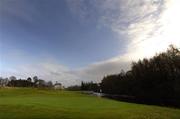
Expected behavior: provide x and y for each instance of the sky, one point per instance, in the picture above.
(70, 41)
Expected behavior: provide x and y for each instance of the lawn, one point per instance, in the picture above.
(26, 103)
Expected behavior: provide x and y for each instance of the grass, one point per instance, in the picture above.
(26, 103)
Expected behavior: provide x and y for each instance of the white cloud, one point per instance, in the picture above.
(148, 26)
(95, 72)
(50, 69)
(44, 70)
(22, 65)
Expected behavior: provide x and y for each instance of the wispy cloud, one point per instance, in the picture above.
(95, 72)
(50, 69)
(139, 22)
(44, 70)
(23, 65)
(147, 26)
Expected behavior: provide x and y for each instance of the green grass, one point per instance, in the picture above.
(24, 103)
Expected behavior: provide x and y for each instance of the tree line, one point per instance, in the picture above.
(90, 86)
(155, 78)
(29, 82)
(85, 86)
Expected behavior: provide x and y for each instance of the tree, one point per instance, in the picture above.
(12, 78)
(155, 78)
(29, 79)
(41, 83)
(35, 79)
(49, 84)
(90, 86)
(74, 88)
(3, 82)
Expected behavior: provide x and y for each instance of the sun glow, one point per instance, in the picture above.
(171, 21)
(170, 31)
(167, 33)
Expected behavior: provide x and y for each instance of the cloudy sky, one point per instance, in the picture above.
(82, 40)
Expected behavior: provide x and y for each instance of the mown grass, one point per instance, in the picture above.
(26, 103)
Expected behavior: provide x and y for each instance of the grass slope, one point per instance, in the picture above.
(24, 103)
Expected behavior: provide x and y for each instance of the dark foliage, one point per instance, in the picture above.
(74, 88)
(13, 82)
(20, 83)
(90, 86)
(157, 78)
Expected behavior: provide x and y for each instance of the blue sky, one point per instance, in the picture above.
(73, 40)
(49, 28)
